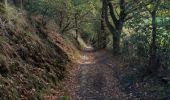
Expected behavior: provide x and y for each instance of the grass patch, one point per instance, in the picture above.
(65, 98)
(2, 39)
(13, 67)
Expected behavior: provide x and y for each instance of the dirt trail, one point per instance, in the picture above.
(96, 77)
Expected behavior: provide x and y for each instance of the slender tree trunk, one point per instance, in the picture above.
(153, 50)
(153, 45)
(103, 30)
(116, 43)
(6, 3)
(153, 60)
(7, 10)
(14, 2)
(76, 23)
(43, 16)
(21, 4)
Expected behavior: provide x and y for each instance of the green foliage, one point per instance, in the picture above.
(2, 39)
(84, 6)
(4, 70)
(136, 43)
(2, 8)
(164, 47)
(65, 98)
(65, 14)
(12, 93)
(13, 67)
(7, 91)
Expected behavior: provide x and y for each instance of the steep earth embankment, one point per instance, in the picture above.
(33, 58)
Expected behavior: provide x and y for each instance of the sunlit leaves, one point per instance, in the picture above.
(84, 6)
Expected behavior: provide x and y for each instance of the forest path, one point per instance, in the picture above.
(96, 79)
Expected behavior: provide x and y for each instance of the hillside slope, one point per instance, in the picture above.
(33, 58)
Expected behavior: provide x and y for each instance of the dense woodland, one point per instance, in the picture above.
(40, 39)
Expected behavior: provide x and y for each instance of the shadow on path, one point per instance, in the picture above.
(96, 80)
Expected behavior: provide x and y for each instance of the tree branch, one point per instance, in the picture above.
(112, 13)
(122, 10)
(109, 25)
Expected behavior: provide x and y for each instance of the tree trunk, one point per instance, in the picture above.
(116, 43)
(21, 4)
(76, 23)
(6, 4)
(154, 63)
(115, 29)
(103, 30)
(153, 50)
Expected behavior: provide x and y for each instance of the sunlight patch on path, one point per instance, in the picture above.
(85, 57)
(86, 60)
(89, 47)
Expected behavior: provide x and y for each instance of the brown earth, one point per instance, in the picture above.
(94, 78)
